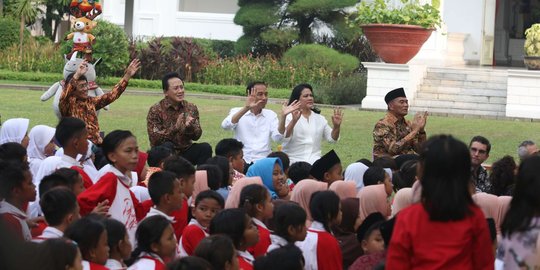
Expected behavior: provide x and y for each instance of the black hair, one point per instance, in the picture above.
(407, 174)
(159, 184)
(374, 175)
(50, 181)
(492, 229)
(70, 76)
(283, 157)
(365, 161)
(149, 231)
(230, 222)
(167, 77)
(250, 196)
(86, 233)
(299, 171)
(113, 140)
(446, 177)
(189, 263)
(229, 147)
(385, 162)
(210, 194)
(67, 129)
(375, 226)
(71, 176)
(157, 154)
(61, 253)
(287, 257)
(525, 204)
(483, 140)
(297, 92)
(324, 207)
(502, 176)
(179, 166)
(225, 166)
(12, 151)
(116, 231)
(252, 84)
(11, 176)
(217, 250)
(288, 214)
(56, 204)
(214, 175)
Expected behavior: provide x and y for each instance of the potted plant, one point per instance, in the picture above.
(396, 34)
(532, 47)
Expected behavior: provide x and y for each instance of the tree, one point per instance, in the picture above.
(27, 10)
(273, 26)
(54, 13)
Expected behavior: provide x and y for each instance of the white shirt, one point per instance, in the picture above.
(49, 233)
(109, 168)
(113, 264)
(255, 132)
(155, 212)
(305, 142)
(309, 245)
(276, 242)
(7, 208)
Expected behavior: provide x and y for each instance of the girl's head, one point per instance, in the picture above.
(219, 251)
(91, 237)
(256, 200)
(271, 172)
(190, 263)
(350, 208)
(227, 171)
(290, 222)
(525, 202)
(207, 204)
(15, 130)
(214, 175)
(503, 175)
(407, 174)
(155, 234)
(65, 253)
(41, 144)
(237, 225)
(121, 150)
(303, 191)
(377, 175)
(374, 199)
(325, 208)
(117, 239)
(445, 173)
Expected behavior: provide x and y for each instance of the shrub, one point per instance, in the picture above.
(37, 56)
(111, 45)
(9, 31)
(152, 59)
(319, 56)
(350, 89)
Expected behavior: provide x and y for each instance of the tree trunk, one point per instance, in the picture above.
(1, 8)
(21, 36)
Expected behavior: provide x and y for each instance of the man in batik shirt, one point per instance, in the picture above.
(393, 135)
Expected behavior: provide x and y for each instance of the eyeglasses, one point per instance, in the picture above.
(480, 151)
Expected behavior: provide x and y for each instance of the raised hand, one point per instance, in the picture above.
(251, 100)
(102, 208)
(132, 68)
(419, 121)
(296, 115)
(286, 109)
(337, 117)
(81, 70)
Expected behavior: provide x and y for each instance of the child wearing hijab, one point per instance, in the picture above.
(271, 172)
(345, 232)
(233, 200)
(40, 146)
(373, 199)
(355, 173)
(302, 194)
(15, 130)
(344, 189)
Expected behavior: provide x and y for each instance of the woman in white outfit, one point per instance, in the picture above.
(305, 128)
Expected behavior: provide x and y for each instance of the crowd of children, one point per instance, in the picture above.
(115, 207)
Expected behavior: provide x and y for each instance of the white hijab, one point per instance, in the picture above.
(355, 172)
(40, 136)
(14, 130)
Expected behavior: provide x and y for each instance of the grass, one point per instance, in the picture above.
(129, 112)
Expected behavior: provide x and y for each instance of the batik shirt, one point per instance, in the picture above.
(85, 109)
(389, 137)
(481, 181)
(162, 124)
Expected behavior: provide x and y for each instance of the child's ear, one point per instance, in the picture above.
(326, 176)
(92, 253)
(155, 247)
(291, 230)
(259, 207)
(363, 244)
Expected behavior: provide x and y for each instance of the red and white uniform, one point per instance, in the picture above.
(86, 265)
(124, 207)
(113, 264)
(69, 162)
(245, 260)
(192, 235)
(264, 240)
(148, 261)
(48, 233)
(277, 242)
(321, 249)
(181, 219)
(15, 219)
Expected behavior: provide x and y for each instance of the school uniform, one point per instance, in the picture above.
(15, 219)
(48, 233)
(69, 162)
(93, 266)
(124, 206)
(113, 264)
(321, 249)
(181, 218)
(148, 261)
(264, 239)
(276, 242)
(192, 235)
(245, 260)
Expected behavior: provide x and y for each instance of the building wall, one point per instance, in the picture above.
(465, 16)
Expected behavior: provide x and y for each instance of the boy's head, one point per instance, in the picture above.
(165, 190)
(71, 134)
(60, 207)
(369, 234)
(16, 182)
(157, 154)
(13, 151)
(284, 160)
(232, 150)
(299, 171)
(207, 204)
(328, 168)
(286, 257)
(73, 179)
(184, 170)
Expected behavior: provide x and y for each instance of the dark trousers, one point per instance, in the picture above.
(198, 153)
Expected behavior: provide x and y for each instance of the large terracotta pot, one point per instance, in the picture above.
(396, 43)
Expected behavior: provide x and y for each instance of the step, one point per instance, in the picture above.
(461, 112)
(466, 70)
(462, 97)
(470, 77)
(445, 104)
(455, 90)
(465, 84)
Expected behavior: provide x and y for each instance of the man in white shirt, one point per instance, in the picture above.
(256, 126)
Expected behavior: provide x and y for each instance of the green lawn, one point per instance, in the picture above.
(129, 112)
